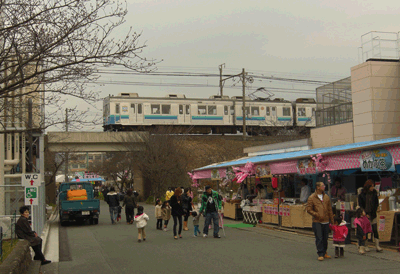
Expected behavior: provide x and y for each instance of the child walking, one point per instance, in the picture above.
(158, 214)
(196, 221)
(141, 219)
(340, 232)
(166, 214)
(363, 227)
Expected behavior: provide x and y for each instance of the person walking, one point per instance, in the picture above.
(177, 211)
(320, 207)
(24, 231)
(340, 232)
(368, 199)
(158, 215)
(130, 204)
(187, 208)
(141, 220)
(210, 205)
(166, 214)
(113, 203)
(196, 222)
(363, 227)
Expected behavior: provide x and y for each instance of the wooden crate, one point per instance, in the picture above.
(286, 221)
(275, 219)
(266, 218)
(297, 216)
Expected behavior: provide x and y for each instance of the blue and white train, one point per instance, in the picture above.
(218, 114)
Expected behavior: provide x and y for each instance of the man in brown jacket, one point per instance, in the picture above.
(319, 206)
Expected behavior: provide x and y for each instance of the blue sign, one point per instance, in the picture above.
(376, 160)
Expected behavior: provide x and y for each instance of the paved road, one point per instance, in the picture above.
(107, 248)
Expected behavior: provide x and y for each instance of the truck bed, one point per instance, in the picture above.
(83, 205)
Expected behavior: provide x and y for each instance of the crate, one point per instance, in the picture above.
(266, 218)
(286, 221)
(274, 219)
(297, 216)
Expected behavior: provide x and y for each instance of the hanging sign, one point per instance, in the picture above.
(376, 160)
(31, 179)
(31, 196)
(263, 171)
(215, 175)
(306, 166)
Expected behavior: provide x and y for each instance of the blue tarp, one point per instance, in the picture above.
(88, 180)
(304, 153)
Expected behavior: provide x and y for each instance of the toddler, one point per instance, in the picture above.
(340, 232)
(196, 221)
(166, 214)
(141, 219)
(363, 227)
(158, 214)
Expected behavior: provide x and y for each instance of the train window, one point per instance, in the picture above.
(155, 109)
(139, 108)
(232, 110)
(301, 112)
(202, 110)
(267, 111)
(247, 110)
(313, 112)
(117, 108)
(225, 110)
(180, 109)
(166, 109)
(212, 110)
(187, 109)
(133, 108)
(255, 111)
(286, 111)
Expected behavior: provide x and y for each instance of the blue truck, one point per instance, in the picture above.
(78, 210)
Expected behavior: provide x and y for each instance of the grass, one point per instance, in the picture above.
(8, 246)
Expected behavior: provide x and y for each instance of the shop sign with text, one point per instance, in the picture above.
(376, 160)
(306, 166)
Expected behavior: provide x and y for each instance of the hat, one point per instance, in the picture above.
(208, 187)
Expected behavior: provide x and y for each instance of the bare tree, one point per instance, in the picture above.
(57, 47)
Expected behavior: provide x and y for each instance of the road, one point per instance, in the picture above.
(106, 248)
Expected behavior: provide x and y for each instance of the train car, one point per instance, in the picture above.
(217, 114)
(304, 110)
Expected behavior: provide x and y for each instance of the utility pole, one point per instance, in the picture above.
(244, 103)
(220, 79)
(66, 152)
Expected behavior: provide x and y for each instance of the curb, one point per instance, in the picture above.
(46, 230)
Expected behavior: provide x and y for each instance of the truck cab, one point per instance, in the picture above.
(88, 208)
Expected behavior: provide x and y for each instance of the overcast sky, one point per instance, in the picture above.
(313, 39)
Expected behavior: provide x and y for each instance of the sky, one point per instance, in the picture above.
(314, 40)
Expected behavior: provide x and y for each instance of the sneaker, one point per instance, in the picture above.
(165, 230)
(194, 235)
(217, 236)
(205, 236)
(320, 259)
(144, 239)
(139, 241)
(326, 256)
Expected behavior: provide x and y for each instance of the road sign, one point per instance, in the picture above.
(31, 195)
(31, 179)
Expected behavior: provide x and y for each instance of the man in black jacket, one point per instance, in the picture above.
(113, 203)
(24, 231)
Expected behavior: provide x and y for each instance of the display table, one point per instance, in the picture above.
(233, 211)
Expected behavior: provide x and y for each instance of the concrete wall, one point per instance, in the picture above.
(376, 100)
(332, 135)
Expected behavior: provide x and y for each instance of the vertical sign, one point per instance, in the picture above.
(31, 195)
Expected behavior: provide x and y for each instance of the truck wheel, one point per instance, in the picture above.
(96, 221)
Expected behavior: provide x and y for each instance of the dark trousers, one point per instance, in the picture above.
(375, 231)
(321, 237)
(166, 223)
(186, 216)
(159, 223)
(38, 252)
(129, 213)
(211, 216)
(176, 219)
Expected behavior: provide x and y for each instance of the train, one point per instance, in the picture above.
(215, 115)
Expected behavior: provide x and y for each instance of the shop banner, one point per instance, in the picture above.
(215, 175)
(306, 166)
(376, 160)
(262, 171)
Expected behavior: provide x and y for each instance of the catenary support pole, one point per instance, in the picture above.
(244, 103)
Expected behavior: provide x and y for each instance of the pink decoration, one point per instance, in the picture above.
(243, 172)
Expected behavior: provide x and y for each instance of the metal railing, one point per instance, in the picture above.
(341, 113)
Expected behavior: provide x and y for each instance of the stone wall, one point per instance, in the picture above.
(19, 260)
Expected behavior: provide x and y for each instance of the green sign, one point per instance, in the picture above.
(30, 192)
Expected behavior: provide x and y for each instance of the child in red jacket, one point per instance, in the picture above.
(340, 232)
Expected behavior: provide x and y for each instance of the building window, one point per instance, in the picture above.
(116, 108)
(255, 111)
(75, 166)
(212, 110)
(301, 112)
(155, 109)
(97, 157)
(90, 157)
(286, 111)
(225, 110)
(139, 108)
(202, 110)
(187, 109)
(166, 109)
(82, 166)
(133, 108)
(180, 109)
(268, 113)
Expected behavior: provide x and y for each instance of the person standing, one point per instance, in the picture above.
(320, 207)
(169, 194)
(211, 205)
(24, 231)
(113, 203)
(141, 219)
(338, 191)
(187, 208)
(177, 211)
(130, 204)
(305, 191)
(368, 199)
(166, 214)
(158, 214)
